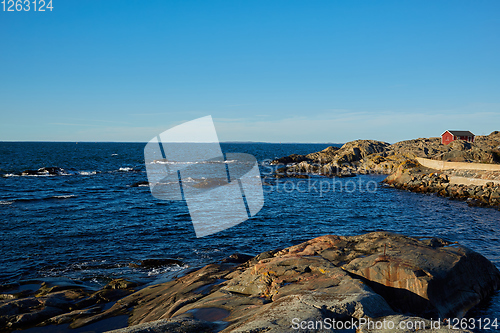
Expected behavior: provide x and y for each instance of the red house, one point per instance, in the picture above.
(451, 135)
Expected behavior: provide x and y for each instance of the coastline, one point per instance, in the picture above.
(475, 191)
(461, 170)
(99, 301)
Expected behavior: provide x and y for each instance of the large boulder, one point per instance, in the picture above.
(429, 277)
(464, 151)
(490, 141)
(356, 150)
(366, 277)
(422, 147)
(325, 156)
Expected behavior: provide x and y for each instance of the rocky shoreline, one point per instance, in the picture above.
(413, 177)
(376, 277)
(399, 161)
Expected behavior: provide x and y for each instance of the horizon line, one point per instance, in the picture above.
(145, 142)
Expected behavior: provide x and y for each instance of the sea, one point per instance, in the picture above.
(92, 220)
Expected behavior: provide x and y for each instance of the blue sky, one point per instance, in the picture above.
(277, 71)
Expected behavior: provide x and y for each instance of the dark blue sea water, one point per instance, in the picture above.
(89, 223)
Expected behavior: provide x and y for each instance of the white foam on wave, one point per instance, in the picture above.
(188, 163)
(27, 200)
(167, 183)
(173, 162)
(81, 173)
(45, 173)
(188, 180)
(206, 251)
(114, 154)
(166, 269)
(125, 169)
(87, 173)
(67, 196)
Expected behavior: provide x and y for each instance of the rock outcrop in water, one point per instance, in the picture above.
(55, 302)
(373, 277)
(365, 156)
(331, 161)
(399, 160)
(46, 171)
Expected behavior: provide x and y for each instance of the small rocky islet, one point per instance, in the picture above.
(379, 276)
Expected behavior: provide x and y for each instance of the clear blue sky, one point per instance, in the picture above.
(289, 71)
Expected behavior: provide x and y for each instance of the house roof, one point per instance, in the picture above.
(460, 133)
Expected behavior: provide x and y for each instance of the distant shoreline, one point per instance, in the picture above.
(134, 142)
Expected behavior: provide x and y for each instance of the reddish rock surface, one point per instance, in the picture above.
(375, 276)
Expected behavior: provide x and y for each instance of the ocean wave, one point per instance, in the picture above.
(50, 172)
(53, 197)
(160, 183)
(184, 180)
(67, 196)
(188, 163)
(42, 175)
(140, 184)
(128, 169)
(206, 250)
(42, 172)
(87, 173)
(47, 171)
(166, 269)
(10, 175)
(173, 162)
